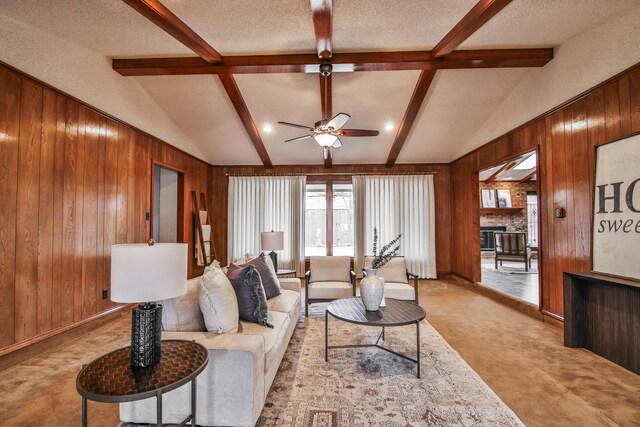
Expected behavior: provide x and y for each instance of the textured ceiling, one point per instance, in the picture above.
(458, 102)
(109, 27)
(544, 23)
(69, 44)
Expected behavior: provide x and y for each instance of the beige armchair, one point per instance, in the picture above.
(329, 278)
(397, 279)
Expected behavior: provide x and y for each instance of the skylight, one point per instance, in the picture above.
(528, 163)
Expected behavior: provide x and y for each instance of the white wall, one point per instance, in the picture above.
(87, 75)
(579, 64)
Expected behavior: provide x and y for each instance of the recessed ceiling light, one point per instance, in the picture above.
(267, 128)
(388, 126)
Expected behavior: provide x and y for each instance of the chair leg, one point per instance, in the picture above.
(306, 308)
(496, 263)
(526, 265)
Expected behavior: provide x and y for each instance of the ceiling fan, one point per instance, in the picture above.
(327, 132)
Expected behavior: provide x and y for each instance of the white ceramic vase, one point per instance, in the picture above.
(372, 290)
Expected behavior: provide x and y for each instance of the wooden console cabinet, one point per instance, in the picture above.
(602, 314)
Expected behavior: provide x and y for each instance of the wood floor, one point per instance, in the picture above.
(511, 279)
(521, 359)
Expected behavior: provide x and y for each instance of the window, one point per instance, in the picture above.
(343, 219)
(329, 219)
(315, 221)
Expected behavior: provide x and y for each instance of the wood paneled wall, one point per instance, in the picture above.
(565, 139)
(442, 186)
(73, 181)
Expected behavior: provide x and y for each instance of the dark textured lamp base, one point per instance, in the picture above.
(146, 331)
(274, 259)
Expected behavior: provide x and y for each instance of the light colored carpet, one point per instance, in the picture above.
(370, 387)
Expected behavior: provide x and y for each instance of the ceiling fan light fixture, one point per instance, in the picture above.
(267, 128)
(325, 140)
(388, 126)
(336, 68)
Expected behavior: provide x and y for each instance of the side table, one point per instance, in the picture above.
(110, 378)
(285, 272)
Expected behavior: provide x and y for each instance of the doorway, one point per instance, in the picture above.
(167, 202)
(509, 224)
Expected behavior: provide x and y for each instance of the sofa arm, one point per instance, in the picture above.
(291, 283)
(230, 391)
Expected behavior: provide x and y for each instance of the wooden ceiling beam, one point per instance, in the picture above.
(328, 156)
(237, 100)
(479, 15)
(363, 61)
(504, 168)
(528, 177)
(157, 13)
(323, 26)
(326, 104)
(419, 93)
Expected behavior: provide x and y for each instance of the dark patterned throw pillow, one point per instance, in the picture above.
(270, 281)
(252, 301)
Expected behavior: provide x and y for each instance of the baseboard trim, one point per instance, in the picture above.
(19, 352)
(553, 318)
(460, 277)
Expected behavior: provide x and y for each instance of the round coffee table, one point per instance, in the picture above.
(395, 313)
(110, 378)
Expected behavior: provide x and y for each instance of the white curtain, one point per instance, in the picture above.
(265, 203)
(396, 204)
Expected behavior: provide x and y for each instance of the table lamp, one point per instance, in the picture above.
(145, 273)
(272, 241)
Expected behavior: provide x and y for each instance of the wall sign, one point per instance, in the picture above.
(616, 213)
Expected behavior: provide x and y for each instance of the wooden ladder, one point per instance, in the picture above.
(198, 226)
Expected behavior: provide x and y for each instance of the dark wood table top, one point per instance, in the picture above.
(110, 378)
(395, 313)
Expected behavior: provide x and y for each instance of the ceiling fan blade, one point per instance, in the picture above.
(295, 125)
(337, 144)
(359, 132)
(338, 121)
(299, 138)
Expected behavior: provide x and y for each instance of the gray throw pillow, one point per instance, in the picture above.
(269, 279)
(252, 301)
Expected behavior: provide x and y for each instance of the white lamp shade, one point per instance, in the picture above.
(272, 240)
(142, 273)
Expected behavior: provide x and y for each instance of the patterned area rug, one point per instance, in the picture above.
(370, 387)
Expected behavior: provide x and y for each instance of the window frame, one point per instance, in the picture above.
(328, 181)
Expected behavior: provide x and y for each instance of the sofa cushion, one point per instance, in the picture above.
(285, 302)
(330, 268)
(274, 337)
(290, 283)
(330, 290)
(267, 274)
(393, 271)
(399, 291)
(182, 314)
(252, 301)
(217, 301)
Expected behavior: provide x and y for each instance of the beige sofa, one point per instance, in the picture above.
(231, 391)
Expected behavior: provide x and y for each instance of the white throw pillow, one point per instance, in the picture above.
(183, 314)
(218, 301)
